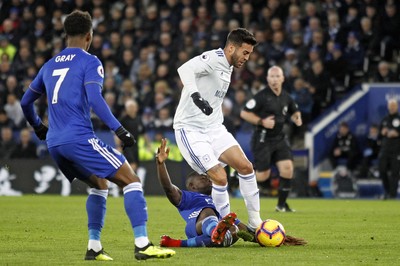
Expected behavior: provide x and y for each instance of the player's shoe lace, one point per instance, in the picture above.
(219, 232)
(151, 251)
(101, 255)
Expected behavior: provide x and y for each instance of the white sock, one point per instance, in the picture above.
(251, 196)
(220, 197)
(141, 241)
(95, 245)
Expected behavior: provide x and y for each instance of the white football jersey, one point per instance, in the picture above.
(210, 75)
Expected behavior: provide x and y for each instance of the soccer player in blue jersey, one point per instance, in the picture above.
(72, 81)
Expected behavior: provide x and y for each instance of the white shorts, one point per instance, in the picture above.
(202, 148)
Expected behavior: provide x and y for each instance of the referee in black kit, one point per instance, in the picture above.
(268, 110)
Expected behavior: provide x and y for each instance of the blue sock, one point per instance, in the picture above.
(208, 225)
(96, 211)
(198, 241)
(135, 207)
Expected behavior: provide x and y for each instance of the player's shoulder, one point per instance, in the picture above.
(212, 55)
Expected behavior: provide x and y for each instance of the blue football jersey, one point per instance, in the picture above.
(63, 79)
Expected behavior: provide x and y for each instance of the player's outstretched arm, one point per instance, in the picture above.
(31, 116)
(173, 193)
(102, 110)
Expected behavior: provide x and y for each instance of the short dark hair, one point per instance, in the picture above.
(240, 35)
(78, 23)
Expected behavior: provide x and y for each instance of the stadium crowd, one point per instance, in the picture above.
(326, 48)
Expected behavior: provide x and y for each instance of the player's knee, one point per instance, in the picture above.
(262, 175)
(286, 170)
(245, 168)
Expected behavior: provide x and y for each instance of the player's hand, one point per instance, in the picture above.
(127, 138)
(203, 105)
(269, 122)
(41, 131)
(162, 152)
(297, 120)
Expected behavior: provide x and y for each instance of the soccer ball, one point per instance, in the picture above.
(270, 233)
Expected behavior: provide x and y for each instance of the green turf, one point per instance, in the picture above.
(51, 230)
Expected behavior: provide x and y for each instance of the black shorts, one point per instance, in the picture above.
(132, 154)
(270, 152)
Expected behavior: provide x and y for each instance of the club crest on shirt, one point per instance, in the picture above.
(284, 110)
(100, 71)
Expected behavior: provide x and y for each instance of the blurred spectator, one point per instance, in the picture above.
(293, 18)
(336, 31)
(7, 143)
(126, 62)
(389, 34)
(26, 148)
(354, 53)
(369, 38)
(336, 67)
(14, 111)
(131, 122)
(6, 48)
(5, 121)
(303, 98)
(10, 26)
(128, 91)
(370, 152)
(345, 151)
(290, 61)
(351, 20)
(276, 49)
(320, 88)
(163, 121)
(247, 17)
(22, 61)
(384, 73)
(314, 24)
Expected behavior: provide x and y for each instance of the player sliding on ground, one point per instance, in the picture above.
(203, 227)
(196, 207)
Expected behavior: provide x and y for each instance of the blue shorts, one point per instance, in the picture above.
(86, 158)
(190, 228)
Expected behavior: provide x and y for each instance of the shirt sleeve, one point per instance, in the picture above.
(100, 107)
(34, 91)
(253, 105)
(199, 65)
(292, 105)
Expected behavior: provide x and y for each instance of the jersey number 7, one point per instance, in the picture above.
(62, 72)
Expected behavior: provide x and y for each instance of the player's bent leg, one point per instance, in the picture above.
(96, 210)
(222, 227)
(136, 210)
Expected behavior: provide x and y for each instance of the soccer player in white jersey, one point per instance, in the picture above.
(201, 137)
(72, 81)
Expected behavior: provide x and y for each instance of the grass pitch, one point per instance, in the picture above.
(51, 230)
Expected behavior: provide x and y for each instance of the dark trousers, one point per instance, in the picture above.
(389, 171)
